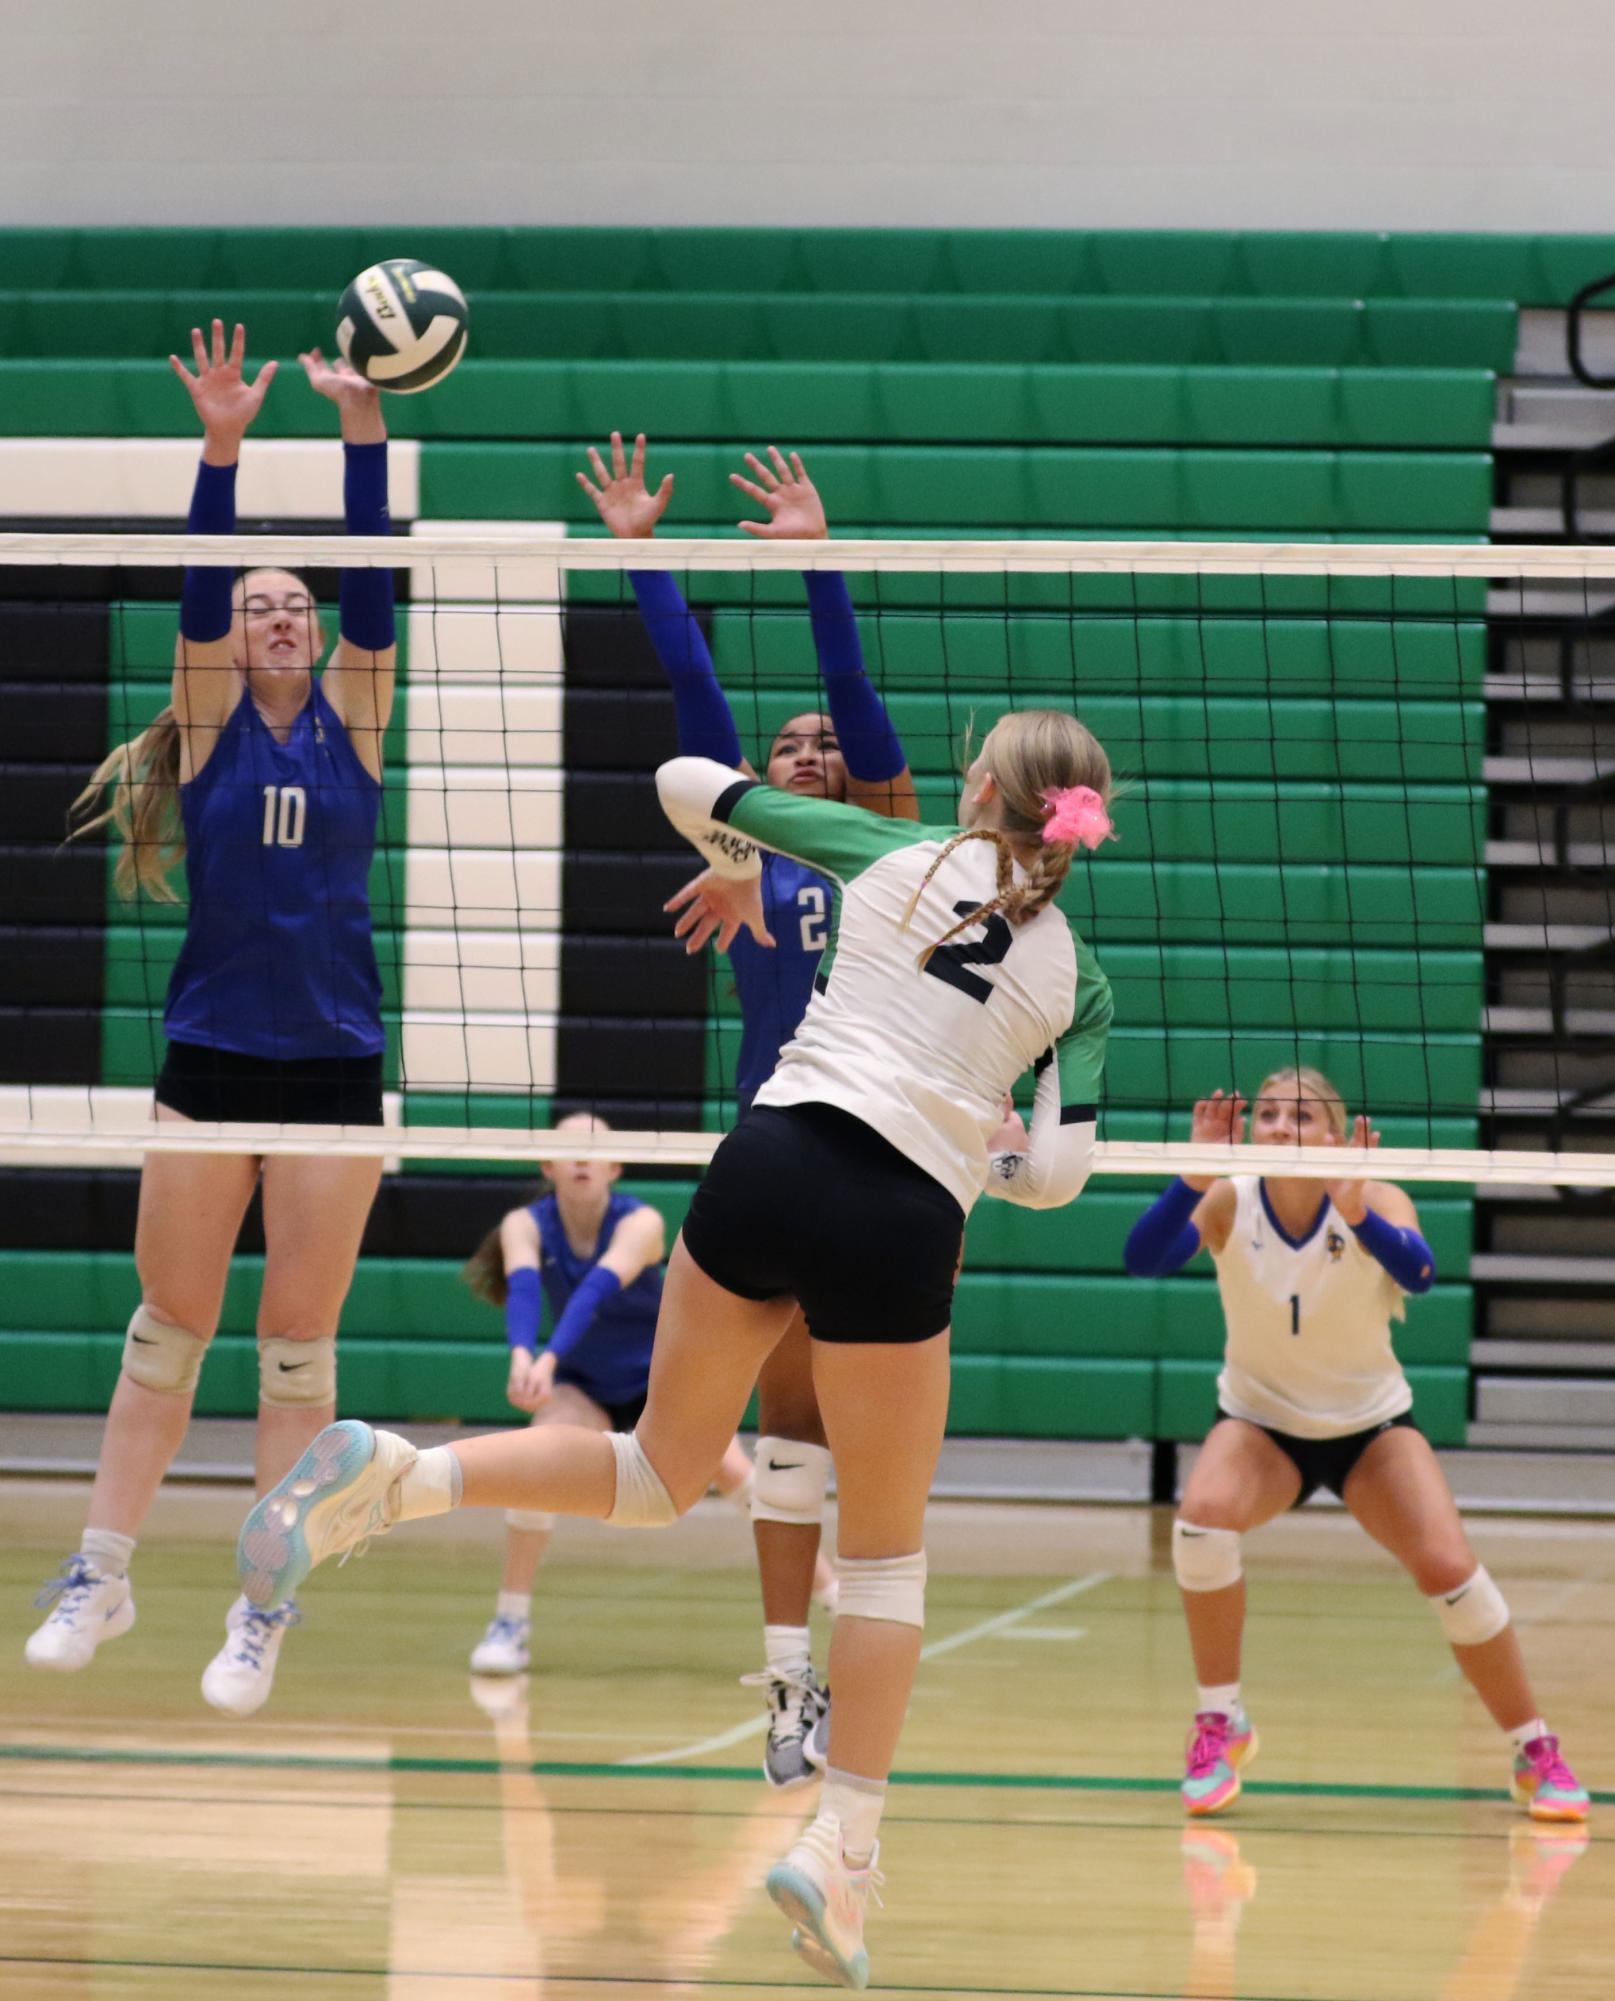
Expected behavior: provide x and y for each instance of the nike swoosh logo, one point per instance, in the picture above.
(1453, 1600)
(143, 1340)
(286, 1368)
(1187, 1532)
(786, 1465)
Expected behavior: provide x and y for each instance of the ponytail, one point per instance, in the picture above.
(143, 809)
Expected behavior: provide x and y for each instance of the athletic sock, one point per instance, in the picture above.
(432, 1485)
(108, 1551)
(1224, 1696)
(517, 1605)
(857, 1804)
(787, 1649)
(1528, 1733)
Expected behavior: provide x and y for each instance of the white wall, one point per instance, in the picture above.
(1402, 114)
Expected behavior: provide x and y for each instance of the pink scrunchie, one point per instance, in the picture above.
(1077, 814)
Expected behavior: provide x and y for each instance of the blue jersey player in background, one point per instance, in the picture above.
(593, 1256)
(851, 754)
(265, 776)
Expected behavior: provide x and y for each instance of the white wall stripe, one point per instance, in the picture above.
(146, 478)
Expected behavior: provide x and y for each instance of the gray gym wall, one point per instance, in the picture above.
(1394, 114)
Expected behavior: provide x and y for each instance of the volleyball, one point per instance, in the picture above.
(402, 324)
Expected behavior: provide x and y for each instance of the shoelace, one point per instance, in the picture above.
(257, 1628)
(71, 1585)
(796, 1698)
(504, 1629)
(1544, 1759)
(1209, 1744)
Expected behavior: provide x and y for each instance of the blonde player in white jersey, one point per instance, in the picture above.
(1312, 1274)
(952, 973)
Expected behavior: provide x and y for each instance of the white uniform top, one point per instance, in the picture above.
(1309, 1325)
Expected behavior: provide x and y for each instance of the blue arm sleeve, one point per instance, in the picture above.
(205, 611)
(1403, 1253)
(705, 725)
(1164, 1238)
(868, 742)
(596, 1288)
(524, 1307)
(367, 619)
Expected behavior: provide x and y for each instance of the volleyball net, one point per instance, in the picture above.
(1356, 832)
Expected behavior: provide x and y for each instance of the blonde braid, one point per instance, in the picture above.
(1005, 899)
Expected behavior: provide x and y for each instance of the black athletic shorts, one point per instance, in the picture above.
(624, 1416)
(1327, 1462)
(808, 1203)
(218, 1085)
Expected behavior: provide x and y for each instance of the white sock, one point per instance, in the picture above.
(515, 1605)
(787, 1649)
(431, 1486)
(1528, 1733)
(108, 1551)
(857, 1804)
(1223, 1696)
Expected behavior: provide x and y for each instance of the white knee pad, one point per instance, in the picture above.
(788, 1482)
(882, 1587)
(162, 1357)
(530, 1520)
(295, 1374)
(1205, 1559)
(1473, 1614)
(642, 1501)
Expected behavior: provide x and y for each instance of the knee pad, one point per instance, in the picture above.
(1205, 1559)
(882, 1587)
(1473, 1614)
(295, 1374)
(530, 1520)
(788, 1482)
(160, 1356)
(642, 1501)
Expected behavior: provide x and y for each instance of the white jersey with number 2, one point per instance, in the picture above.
(1309, 1324)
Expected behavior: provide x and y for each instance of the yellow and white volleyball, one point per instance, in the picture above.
(402, 324)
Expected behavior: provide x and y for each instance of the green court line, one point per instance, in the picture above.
(547, 1768)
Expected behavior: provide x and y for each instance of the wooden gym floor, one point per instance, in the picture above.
(389, 1831)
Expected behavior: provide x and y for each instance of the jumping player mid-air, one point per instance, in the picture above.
(595, 1255)
(845, 1189)
(853, 754)
(1312, 1274)
(266, 778)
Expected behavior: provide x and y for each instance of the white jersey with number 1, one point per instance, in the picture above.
(1309, 1324)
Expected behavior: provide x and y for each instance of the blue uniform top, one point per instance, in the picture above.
(278, 960)
(776, 986)
(611, 1362)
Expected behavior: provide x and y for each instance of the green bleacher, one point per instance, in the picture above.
(1007, 383)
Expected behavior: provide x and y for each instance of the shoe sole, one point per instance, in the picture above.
(1548, 1814)
(1201, 1811)
(114, 1629)
(272, 1556)
(801, 1901)
(506, 1671)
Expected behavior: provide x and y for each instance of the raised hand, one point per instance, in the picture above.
(795, 511)
(627, 507)
(224, 399)
(1351, 1197)
(1218, 1121)
(718, 905)
(358, 401)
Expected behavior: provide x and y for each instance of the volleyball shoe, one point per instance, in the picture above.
(86, 1608)
(1545, 1785)
(241, 1674)
(341, 1494)
(825, 1898)
(1219, 1745)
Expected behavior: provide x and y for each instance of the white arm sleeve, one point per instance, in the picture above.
(689, 788)
(1057, 1161)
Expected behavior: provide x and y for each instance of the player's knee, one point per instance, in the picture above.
(296, 1375)
(789, 1481)
(161, 1356)
(643, 1500)
(1472, 1611)
(1205, 1558)
(882, 1587)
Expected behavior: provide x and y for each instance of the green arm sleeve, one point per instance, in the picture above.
(840, 840)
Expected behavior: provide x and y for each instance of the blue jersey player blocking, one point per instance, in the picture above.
(265, 777)
(851, 754)
(592, 1256)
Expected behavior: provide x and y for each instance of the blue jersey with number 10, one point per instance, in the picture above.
(776, 985)
(278, 961)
